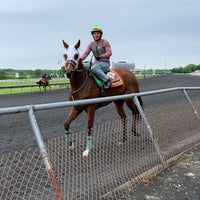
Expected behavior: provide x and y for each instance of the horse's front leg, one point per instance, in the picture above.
(72, 116)
(90, 113)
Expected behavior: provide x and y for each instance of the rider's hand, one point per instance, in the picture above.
(98, 58)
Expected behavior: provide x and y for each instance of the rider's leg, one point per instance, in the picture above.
(100, 69)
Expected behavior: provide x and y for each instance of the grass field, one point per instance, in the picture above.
(26, 82)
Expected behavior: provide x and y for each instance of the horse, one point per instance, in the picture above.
(83, 86)
(44, 83)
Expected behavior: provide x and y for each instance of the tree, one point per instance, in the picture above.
(2, 74)
(187, 69)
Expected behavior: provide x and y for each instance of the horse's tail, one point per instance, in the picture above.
(39, 83)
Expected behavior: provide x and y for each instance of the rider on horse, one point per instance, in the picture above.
(46, 77)
(101, 50)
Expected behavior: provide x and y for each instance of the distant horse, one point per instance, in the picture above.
(83, 86)
(44, 83)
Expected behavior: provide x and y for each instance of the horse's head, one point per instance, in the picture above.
(49, 77)
(71, 58)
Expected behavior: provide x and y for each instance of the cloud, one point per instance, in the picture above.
(148, 33)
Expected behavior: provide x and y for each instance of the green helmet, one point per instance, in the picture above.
(96, 28)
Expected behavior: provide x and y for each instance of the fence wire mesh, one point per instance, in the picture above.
(111, 163)
(23, 176)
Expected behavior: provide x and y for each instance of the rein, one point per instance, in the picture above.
(86, 78)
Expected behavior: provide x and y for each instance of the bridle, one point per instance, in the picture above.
(76, 70)
(82, 85)
(72, 64)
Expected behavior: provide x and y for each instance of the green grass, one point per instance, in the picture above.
(16, 82)
(26, 82)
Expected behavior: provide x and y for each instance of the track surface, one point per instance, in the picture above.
(15, 129)
(16, 133)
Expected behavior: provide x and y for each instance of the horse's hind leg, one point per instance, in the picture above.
(120, 111)
(72, 116)
(135, 115)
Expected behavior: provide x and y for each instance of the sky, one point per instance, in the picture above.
(153, 34)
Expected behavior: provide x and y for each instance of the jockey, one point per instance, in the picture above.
(45, 77)
(101, 50)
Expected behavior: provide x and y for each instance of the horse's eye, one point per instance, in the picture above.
(75, 56)
(65, 56)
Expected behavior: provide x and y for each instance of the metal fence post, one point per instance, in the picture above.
(44, 154)
(190, 102)
(135, 98)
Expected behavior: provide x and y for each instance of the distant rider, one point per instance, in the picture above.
(45, 77)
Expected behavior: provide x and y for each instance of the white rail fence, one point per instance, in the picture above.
(14, 87)
(52, 171)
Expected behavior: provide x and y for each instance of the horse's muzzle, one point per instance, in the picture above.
(70, 68)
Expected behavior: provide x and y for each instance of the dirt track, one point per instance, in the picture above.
(15, 129)
(16, 132)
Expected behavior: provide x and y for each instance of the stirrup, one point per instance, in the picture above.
(107, 83)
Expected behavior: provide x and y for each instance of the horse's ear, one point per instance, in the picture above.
(77, 45)
(65, 56)
(65, 44)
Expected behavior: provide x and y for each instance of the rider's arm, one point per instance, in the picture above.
(87, 52)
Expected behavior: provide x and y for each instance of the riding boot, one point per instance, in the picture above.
(107, 83)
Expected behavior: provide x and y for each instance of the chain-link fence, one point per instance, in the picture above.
(169, 126)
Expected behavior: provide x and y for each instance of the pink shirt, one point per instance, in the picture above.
(104, 57)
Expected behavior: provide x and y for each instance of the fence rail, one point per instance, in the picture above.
(31, 86)
(110, 166)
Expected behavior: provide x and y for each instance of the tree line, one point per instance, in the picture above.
(25, 74)
(187, 69)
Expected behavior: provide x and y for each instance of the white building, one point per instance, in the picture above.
(130, 66)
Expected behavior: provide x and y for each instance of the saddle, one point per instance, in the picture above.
(116, 79)
(46, 82)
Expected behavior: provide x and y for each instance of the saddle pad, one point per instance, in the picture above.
(116, 79)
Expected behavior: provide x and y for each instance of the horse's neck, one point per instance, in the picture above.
(79, 79)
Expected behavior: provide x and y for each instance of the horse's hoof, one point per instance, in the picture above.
(120, 143)
(86, 153)
(71, 147)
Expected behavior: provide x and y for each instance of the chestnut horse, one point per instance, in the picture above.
(83, 86)
(44, 83)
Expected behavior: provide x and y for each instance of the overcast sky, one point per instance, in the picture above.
(150, 33)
